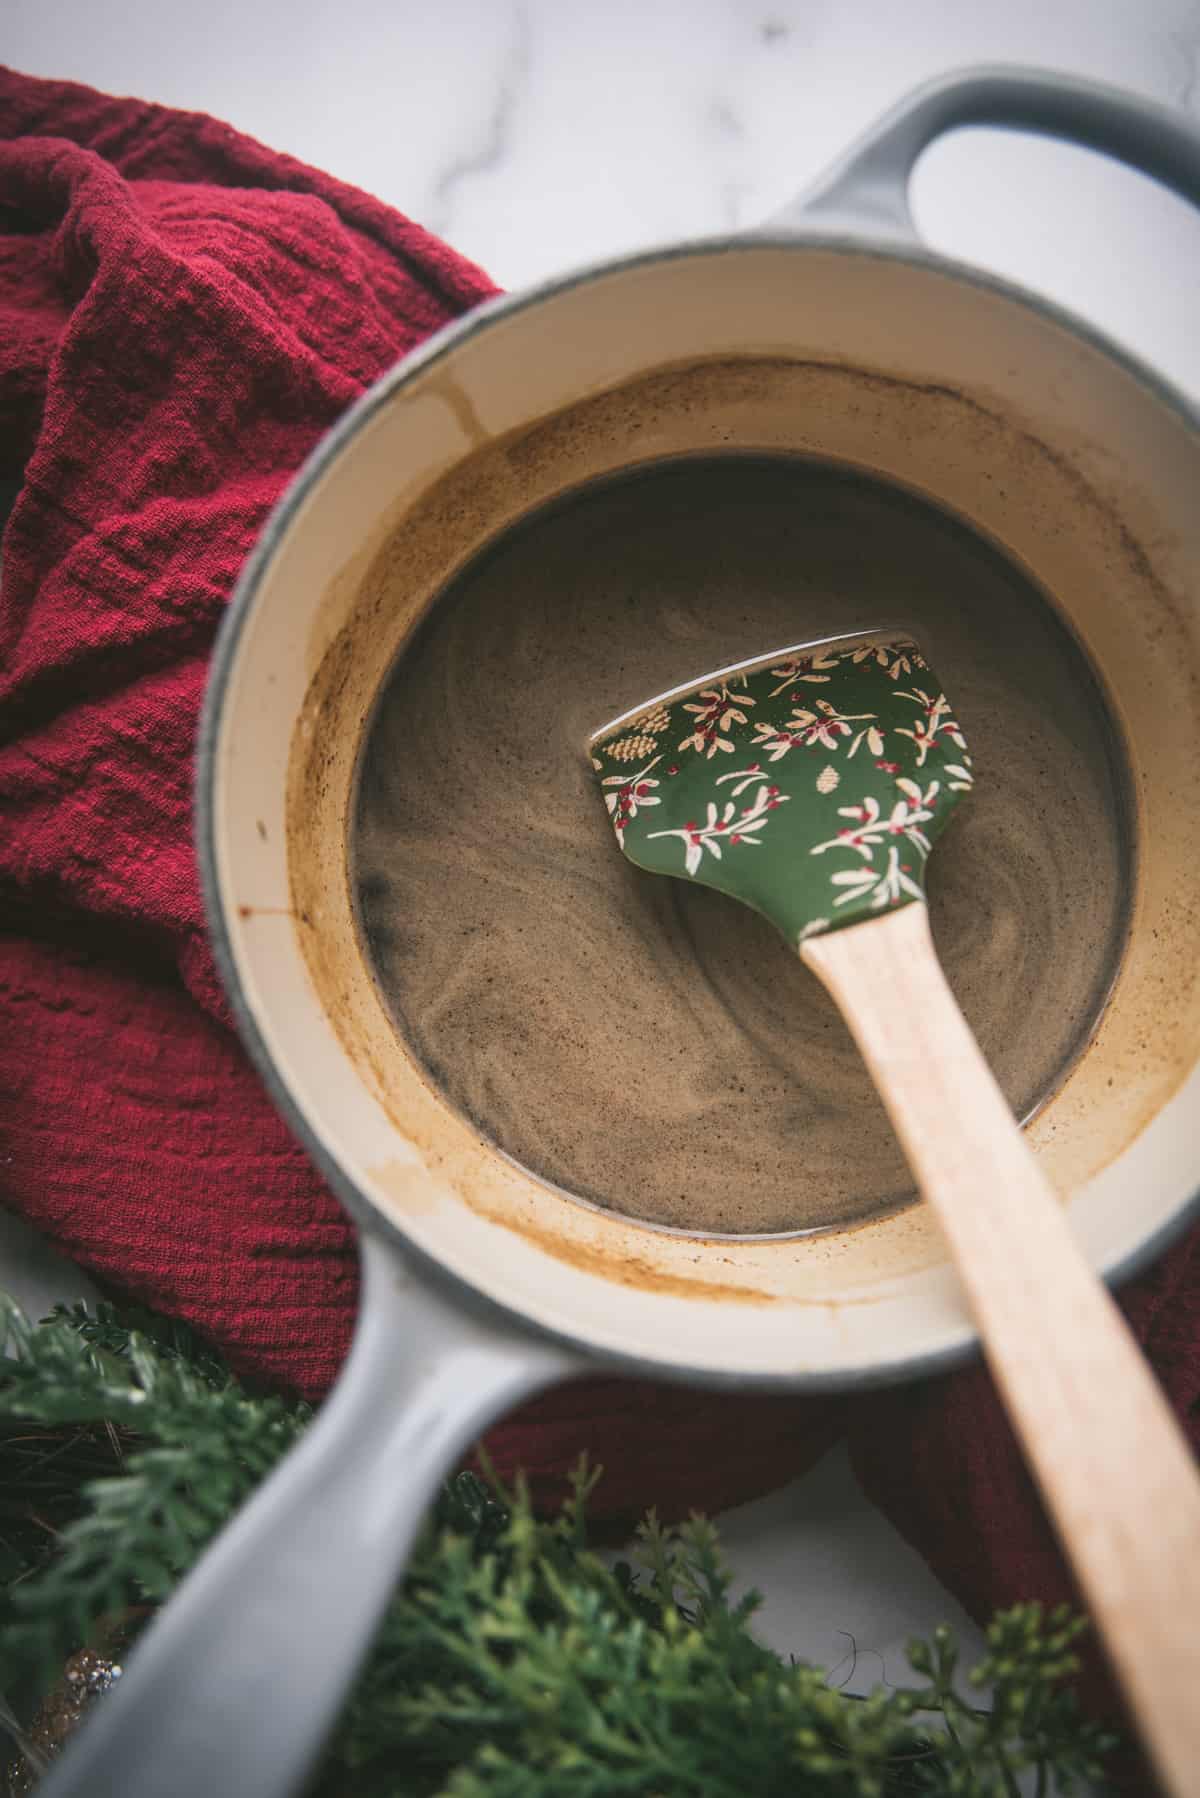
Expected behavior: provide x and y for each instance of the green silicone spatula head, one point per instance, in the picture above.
(810, 783)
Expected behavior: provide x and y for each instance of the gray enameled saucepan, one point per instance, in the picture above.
(833, 334)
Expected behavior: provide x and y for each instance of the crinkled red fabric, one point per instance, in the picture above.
(183, 314)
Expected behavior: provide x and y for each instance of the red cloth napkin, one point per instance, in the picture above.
(182, 315)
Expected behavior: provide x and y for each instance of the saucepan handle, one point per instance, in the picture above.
(866, 190)
(236, 1684)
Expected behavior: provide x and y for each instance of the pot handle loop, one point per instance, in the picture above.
(867, 188)
(234, 1687)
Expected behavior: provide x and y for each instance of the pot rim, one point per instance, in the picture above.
(442, 343)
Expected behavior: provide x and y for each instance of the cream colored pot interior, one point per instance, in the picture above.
(957, 391)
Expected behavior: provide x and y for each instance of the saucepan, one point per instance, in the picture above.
(834, 334)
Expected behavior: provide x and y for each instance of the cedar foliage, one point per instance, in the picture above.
(513, 1661)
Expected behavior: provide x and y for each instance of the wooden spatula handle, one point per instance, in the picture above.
(1114, 1468)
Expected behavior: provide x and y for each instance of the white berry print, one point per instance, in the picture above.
(715, 711)
(630, 793)
(801, 668)
(881, 889)
(806, 729)
(869, 827)
(872, 736)
(745, 777)
(935, 724)
(887, 769)
(896, 658)
(726, 828)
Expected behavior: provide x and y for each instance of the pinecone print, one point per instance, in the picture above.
(630, 749)
(655, 720)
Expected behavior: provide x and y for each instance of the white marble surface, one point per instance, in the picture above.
(536, 134)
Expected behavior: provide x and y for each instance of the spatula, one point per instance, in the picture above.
(812, 784)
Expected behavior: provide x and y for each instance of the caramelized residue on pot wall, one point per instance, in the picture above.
(650, 1045)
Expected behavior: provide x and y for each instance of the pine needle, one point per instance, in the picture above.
(513, 1661)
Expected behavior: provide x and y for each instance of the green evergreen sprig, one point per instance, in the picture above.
(514, 1661)
(185, 1444)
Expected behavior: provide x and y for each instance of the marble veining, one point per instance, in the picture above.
(536, 134)
(540, 134)
(491, 146)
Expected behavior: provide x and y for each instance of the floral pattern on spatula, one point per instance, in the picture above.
(869, 827)
(934, 724)
(891, 767)
(826, 728)
(726, 827)
(715, 711)
(630, 793)
(878, 888)
(896, 658)
(812, 670)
